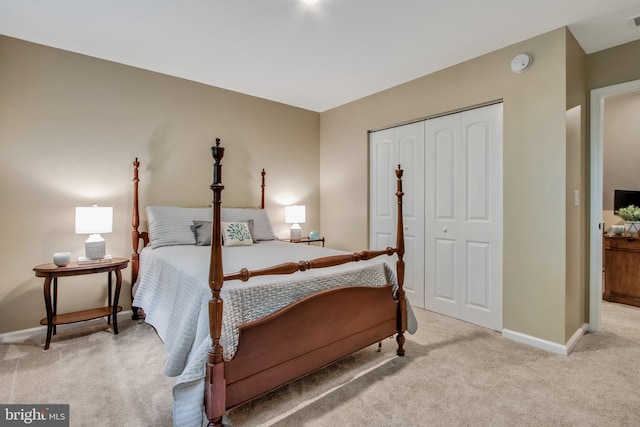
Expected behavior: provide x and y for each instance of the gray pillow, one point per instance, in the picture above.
(202, 232)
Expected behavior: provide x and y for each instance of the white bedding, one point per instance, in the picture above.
(173, 291)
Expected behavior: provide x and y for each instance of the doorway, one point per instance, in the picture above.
(597, 223)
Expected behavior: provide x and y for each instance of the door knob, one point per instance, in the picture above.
(444, 229)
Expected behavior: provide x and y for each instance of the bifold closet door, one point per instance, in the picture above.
(452, 210)
(402, 145)
(463, 216)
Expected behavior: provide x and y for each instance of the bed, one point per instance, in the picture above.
(233, 337)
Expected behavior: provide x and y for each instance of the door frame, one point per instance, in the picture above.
(596, 175)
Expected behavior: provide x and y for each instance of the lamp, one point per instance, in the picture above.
(295, 215)
(93, 221)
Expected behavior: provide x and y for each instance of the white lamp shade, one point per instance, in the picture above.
(294, 214)
(94, 220)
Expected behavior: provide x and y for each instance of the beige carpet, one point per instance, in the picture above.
(454, 374)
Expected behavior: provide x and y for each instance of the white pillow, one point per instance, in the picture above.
(236, 234)
(169, 225)
(261, 226)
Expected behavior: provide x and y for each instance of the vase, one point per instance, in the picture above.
(632, 227)
(61, 258)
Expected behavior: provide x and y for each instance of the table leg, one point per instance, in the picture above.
(55, 302)
(109, 293)
(47, 304)
(115, 300)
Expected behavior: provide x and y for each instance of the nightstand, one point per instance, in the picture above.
(306, 240)
(51, 272)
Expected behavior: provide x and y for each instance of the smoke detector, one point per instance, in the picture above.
(521, 63)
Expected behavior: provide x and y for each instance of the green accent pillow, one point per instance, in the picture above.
(236, 234)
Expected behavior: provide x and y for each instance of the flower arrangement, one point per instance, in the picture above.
(630, 213)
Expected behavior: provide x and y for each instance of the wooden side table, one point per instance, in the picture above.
(51, 272)
(621, 272)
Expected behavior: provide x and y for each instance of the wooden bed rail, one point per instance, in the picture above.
(292, 267)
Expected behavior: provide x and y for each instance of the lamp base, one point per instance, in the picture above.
(95, 247)
(296, 234)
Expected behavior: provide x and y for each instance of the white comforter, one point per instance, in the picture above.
(173, 291)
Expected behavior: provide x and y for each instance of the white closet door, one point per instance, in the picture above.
(463, 216)
(402, 145)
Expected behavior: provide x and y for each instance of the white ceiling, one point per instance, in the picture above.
(311, 56)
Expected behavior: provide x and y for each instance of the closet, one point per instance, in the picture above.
(452, 210)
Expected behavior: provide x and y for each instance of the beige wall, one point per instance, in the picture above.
(535, 168)
(621, 155)
(577, 289)
(71, 125)
(619, 64)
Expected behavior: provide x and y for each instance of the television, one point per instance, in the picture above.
(624, 198)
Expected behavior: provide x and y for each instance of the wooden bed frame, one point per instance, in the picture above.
(300, 338)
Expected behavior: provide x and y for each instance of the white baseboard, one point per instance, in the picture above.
(544, 344)
(21, 335)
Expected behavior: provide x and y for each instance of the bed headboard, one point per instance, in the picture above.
(137, 235)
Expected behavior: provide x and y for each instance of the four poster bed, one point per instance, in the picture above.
(231, 344)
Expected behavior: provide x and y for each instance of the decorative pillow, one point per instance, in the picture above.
(169, 225)
(261, 226)
(202, 231)
(236, 234)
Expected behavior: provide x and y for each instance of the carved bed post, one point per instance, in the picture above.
(215, 391)
(136, 236)
(135, 222)
(262, 187)
(402, 302)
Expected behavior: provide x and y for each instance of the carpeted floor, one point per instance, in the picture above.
(454, 373)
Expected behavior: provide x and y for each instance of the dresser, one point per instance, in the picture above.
(622, 270)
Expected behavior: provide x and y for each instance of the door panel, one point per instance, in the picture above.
(442, 139)
(477, 152)
(482, 139)
(464, 162)
(445, 141)
(478, 273)
(402, 145)
(445, 296)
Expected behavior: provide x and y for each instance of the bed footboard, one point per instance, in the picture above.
(307, 335)
(304, 336)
